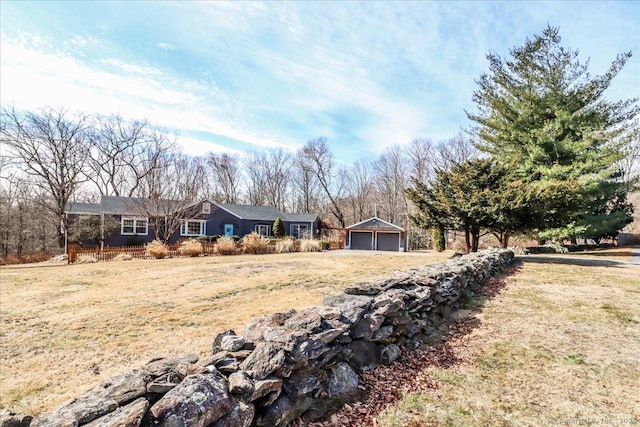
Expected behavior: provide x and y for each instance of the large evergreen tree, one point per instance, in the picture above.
(475, 196)
(542, 115)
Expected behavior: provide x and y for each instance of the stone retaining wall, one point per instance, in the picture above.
(299, 363)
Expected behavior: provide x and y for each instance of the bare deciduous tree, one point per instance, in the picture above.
(172, 194)
(227, 177)
(391, 181)
(277, 167)
(52, 147)
(421, 154)
(23, 227)
(256, 178)
(361, 189)
(123, 153)
(320, 161)
(305, 187)
(458, 149)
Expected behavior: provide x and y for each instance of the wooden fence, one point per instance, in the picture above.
(136, 252)
(140, 252)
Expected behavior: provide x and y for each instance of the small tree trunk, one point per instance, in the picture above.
(475, 239)
(504, 243)
(467, 239)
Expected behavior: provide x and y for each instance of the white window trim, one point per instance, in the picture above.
(258, 226)
(297, 227)
(184, 227)
(135, 226)
(206, 208)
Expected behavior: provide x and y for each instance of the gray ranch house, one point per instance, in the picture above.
(201, 219)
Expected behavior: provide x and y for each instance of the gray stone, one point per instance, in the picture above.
(284, 336)
(343, 382)
(390, 354)
(265, 359)
(217, 341)
(232, 343)
(384, 335)
(158, 367)
(283, 411)
(300, 384)
(82, 410)
(126, 416)
(241, 354)
(254, 330)
(366, 326)
(227, 366)
(329, 313)
(213, 359)
(241, 415)
(12, 419)
(240, 383)
(55, 419)
(197, 402)
(160, 387)
(307, 320)
(264, 387)
(364, 355)
(328, 335)
(390, 308)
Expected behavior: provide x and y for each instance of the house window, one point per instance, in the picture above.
(193, 227)
(300, 231)
(134, 226)
(263, 230)
(206, 208)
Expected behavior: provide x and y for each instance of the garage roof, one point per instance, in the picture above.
(374, 223)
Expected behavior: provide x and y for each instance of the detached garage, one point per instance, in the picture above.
(376, 234)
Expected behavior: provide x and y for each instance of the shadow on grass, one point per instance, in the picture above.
(572, 260)
(626, 253)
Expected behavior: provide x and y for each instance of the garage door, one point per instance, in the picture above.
(361, 240)
(389, 242)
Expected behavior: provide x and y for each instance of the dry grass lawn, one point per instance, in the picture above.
(65, 329)
(559, 346)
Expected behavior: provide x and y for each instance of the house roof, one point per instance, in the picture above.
(301, 217)
(265, 213)
(113, 205)
(374, 223)
(83, 208)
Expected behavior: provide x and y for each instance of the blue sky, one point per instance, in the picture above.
(240, 76)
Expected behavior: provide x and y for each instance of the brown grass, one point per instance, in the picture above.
(559, 346)
(67, 328)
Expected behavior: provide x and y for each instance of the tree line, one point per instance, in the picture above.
(548, 156)
(53, 157)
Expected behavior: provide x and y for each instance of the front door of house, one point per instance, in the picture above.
(228, 230)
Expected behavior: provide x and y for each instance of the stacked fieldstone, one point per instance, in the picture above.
(285, 365)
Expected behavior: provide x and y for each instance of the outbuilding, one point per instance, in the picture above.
(376, 234)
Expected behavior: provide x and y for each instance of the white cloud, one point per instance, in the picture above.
(31, 78)
(166, 46)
